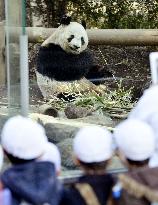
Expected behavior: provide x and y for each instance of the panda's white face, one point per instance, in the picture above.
(72, 38)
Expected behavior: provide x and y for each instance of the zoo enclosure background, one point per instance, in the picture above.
(112, 14)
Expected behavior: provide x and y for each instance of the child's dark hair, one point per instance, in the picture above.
(95, 166)
(16, 160)
(138, 163)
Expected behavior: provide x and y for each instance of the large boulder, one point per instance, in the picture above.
(65, 148)
(58, 129)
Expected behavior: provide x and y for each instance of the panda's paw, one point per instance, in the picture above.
(98, 74)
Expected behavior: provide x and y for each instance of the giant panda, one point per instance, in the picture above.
(64, 61)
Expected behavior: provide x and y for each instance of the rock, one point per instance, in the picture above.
(58, 129)
(72, 111)
(97, 119)
(48, 110)
(65, 148)
(59, 132)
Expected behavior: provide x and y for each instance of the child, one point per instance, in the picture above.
(146, 105)
(5, 194)
(92, 148)
(24, 141)
(136, 144)
(147, 110)
(52, 154)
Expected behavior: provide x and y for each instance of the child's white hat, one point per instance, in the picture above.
(93, 144)
(23, 138)
(52, 154)
(135, 139)
(146, 105)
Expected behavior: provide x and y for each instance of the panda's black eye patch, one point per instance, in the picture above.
(70, 38)
(82, 41)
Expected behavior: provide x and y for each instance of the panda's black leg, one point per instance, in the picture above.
(67, 96)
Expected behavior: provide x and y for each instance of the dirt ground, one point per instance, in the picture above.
(129, 63)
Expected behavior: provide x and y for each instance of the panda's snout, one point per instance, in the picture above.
(76, 47)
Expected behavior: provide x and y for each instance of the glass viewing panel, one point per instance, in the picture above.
(3, 73)
(13, 31)
(62, 114)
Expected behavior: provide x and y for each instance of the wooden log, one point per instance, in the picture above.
(128, 37)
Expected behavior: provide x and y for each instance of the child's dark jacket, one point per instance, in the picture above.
(140, 187)
(101, 185)
(33, 182)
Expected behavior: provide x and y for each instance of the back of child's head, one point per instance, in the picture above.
(23, 139)
(52, 154)
(92, 146)
(146, 105)
(136, 141)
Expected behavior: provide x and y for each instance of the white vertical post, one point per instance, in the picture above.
(154, 67)
(24, 75)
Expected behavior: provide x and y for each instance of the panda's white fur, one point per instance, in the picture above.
(50, 88)
(60, 36)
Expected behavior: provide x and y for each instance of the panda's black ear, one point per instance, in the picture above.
(83, 22)
(65, 20)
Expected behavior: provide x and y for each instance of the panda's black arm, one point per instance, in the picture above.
(55, 63)
(97, 74)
